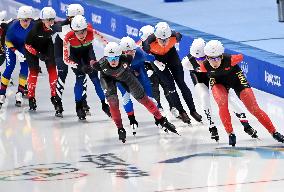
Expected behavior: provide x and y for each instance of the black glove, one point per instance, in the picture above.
(42, 57)
(87, 69)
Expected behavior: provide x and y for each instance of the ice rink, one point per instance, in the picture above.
(42, 153)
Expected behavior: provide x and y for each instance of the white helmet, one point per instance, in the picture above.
(127, 44)
(197, 48)
(79, 23)
(145, 32)
(214, 48)
(25, 12)
(112, 49)
(47, 13)
(162, 30)
(74, 9)
(3, 15)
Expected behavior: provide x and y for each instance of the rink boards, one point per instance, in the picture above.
(264, 70)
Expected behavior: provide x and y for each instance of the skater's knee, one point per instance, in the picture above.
(254, 109)
(126, 98)
(112, 98)
(138, 94)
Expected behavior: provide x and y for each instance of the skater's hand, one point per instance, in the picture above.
(136, 73)
(150, 73)
(20, 56)
(42, 57)
(161, 66)
(87, 69)
(93, 62)
(186, 63)
(177, 46)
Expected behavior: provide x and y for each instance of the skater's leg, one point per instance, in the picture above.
(248, 98)
(10, 66)
(33, 63)
(23, 77)
(126, 101)
(167, 79)
(154, 80)
(176, 69)
(62, 69)
(52, 74)
(96, 81)
(109, 85)
(220, 95)
(78, 91)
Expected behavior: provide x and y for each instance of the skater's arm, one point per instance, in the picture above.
(29, 42)
(97, 65)
(203, 68)
(147, 57)
(236, 59)
(66, 54)
(177, 35)
(186, 63)
(146, 45)
(9, 39)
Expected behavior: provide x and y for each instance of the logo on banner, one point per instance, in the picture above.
(272, 79)
(63, 7)
(113, 24)
(96, 18)
(244, 67)
(132, 31)
(37, 1)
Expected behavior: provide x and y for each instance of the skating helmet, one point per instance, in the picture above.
(47, 13)
(197, 48)
(112, 49)
(74, 9)
(25, 12)
(3, 15)
(145, 32)
(79, 23)
(214, 48)
(162, 30)
(127, 44)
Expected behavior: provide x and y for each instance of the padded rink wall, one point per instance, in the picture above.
(264, 70)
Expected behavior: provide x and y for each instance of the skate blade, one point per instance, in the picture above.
(217, 140)
(167, 131)
(188, 124)
(108, 114)
(177, 133)
(59, 115)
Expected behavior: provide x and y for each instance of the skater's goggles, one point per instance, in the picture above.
(49, 20)
(113, 59)
(80, 32)
(26, 20)
(200, 58)
(129, 51)
(163, 41)
(218, 58)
